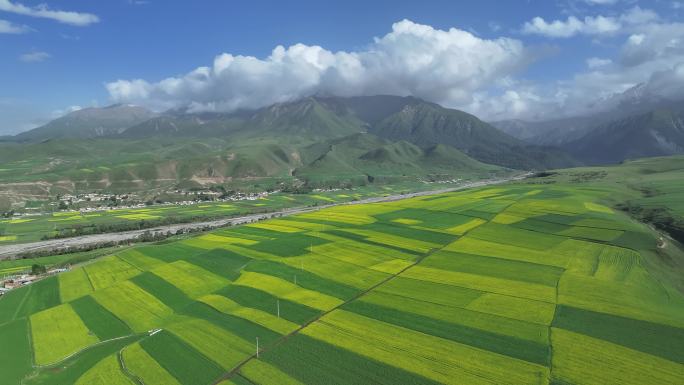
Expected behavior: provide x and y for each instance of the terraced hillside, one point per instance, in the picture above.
(520, 284)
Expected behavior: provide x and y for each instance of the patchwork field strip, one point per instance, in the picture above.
(506, 285)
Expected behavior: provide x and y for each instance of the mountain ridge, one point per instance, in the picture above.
(318, 119)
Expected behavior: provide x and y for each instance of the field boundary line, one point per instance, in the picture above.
(21, 305)
(52, 364)
(235, 370)
(124, 369)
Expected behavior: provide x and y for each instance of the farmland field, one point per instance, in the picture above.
(523, 283)
(71, 223)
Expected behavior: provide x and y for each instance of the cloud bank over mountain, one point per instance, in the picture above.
(454, 67)
(413, 59)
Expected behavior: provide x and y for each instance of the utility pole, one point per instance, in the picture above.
(278, 307)
(295, 280)
(257, 353)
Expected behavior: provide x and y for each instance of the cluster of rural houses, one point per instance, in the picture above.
(12, 282)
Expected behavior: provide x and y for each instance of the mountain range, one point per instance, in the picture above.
(89, 123)
(630, 125)
(319, 140)
(310, 120)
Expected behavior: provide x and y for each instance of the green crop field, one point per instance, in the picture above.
(543, 281)
(71, 223)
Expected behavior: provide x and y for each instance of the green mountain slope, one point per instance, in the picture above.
(302, 120)
(655, 133)
(89, 123)
(366, 156)
(327, 140)
(428, 124)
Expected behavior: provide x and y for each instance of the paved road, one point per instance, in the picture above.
(10, 251)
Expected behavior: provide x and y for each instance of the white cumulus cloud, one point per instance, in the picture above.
(444, 66)
(589, 25)
(11, 28)
(43, 11)
(572, 26)
(34, 57)
(597, 62)
(601, 2)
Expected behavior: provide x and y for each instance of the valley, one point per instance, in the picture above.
(335, 240)
(488, 285)
(16, 241)
(342, 193)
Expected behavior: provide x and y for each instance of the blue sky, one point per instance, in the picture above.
(499, 62)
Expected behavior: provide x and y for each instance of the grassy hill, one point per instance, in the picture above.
(287, 143)
(650, 189)
(126, 148)
(89, 123)
(366, 156)
(523, 283)
(428, 124)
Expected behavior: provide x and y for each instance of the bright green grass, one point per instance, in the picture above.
(108, 271)
(222, 347)
(432, 292)
(57, 333)
(99, 320)
(15, 354)
(13, 266)
(29, 299)
(305, 278)
(139, 309)
(578, 359)
(288, 290)
(502, 286)
(395, 240)
(168, 294)
(439, 359)
(311, 361)
(648, 337)
(591, 233)
(346, 274)
(514, 307)
(641, 299)
(11, 303)
(143, 366)
(260, 372)
(106, 372)
(454, 329)
(469, 319)
(288, 245)
(245, 329)
(181, 360)
(170, 252)
(470, 245)
(270, 321)
(261, 300)
(74, 284)
(477, 312)
(71, 369)
(222, 262)
(190, 279)
(511, 235)
(495, 267)
(139, 260)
